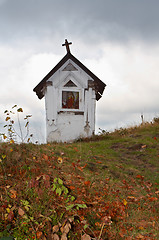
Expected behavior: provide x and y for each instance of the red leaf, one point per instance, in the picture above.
(76, 149)
(80, 168)
(10, 216)
(87, 183)
(153, 199)
(73, 164)
(140, 177)
(4, 206)
(46, 179)
(99, 162)
(85, 165)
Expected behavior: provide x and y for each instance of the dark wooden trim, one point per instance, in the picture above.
(71, 111)
(99, 85)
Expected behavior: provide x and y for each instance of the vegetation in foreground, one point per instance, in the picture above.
(101, 188)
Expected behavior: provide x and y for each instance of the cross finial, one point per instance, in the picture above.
(67, 45)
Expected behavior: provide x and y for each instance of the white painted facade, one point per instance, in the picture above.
(70, 90)
(67, 124)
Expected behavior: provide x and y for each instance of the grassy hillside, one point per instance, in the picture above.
(103, 188)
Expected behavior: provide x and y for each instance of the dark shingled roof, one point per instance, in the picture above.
(99, 85)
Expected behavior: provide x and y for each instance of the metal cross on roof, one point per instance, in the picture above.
(67, 45)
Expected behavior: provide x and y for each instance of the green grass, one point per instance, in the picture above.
(116, 175)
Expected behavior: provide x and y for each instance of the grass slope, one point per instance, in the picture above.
(102, 188)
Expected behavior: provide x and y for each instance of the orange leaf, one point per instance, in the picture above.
(45, 157)
(99, 162)
(121, 235)
(72, 187)
(97, 224)
(19, 110)
(153, 199)
(85, 165)
(125, 202)
(143, 146)
(139, 236)
(13, 193)
(131, 197)
(7, 118)
(4, 136)
(39, 234)
(107, 179)
(140, 177)
(60, 160)
(87, 183)
(141, 227)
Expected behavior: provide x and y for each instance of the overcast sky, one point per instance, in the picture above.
(118, 40)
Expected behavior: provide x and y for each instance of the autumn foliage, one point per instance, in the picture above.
(102, 188)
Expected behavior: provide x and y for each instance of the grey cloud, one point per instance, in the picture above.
(92, 20)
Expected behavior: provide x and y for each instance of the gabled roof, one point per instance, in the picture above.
(99, 85)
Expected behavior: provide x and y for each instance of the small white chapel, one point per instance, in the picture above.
(71, 91)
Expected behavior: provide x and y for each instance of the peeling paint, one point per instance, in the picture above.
(70, 91)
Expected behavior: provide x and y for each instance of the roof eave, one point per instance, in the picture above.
(39, 88)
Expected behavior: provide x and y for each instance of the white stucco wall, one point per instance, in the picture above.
(64, 125)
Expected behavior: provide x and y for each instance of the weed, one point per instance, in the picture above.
(12, 127)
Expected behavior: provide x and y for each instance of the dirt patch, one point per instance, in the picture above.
(138, 146)
(92, 166)
(116, 146)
